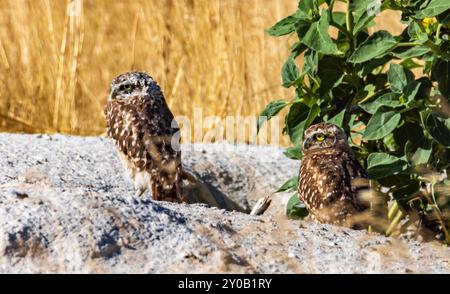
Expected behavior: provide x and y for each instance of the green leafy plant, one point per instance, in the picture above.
(398, 120)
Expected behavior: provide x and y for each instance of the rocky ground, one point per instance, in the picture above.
(66, 207)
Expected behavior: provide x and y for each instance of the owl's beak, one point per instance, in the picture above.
(306, 143)
(113, 92)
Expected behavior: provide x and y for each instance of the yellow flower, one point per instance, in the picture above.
(428, 21)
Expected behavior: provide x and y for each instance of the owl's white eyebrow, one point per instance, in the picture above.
(315, 133)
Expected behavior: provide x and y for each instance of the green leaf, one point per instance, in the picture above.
(423, 153)
(444, 18)
(286, 25)
(313, 113)
(364, 22)
(419, 153)
(411, 90)
(295, 122)
(339, 17)
(397, 78)
(360, 7)
(331, 74)
(318, 39)
(433, 8)
(298, 119)
(289, 73)
(364, 11)
(294, 152)
(338, 119)
(302, 27)
(409, 63)
(307, 6)
(373, 64)
(297, 49)
(380, 165)
(441, 73)
(289, 185)
(389, 143)
(368, 90)
(295, 209)
(388, 99)
(382, 123)
(416, 33)
(270, 111)
(376, 46)
(438, 128)
(416, 51)
(310, 64)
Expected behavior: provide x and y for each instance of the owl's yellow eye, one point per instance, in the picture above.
(126, 87)
(320, 137)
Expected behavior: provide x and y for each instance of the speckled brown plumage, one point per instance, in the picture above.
(327, 174)
(145, 134)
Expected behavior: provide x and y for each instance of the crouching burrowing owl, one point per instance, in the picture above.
(330, 177)
(145, 134)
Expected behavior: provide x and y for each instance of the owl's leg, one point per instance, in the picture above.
(140, 189)
(141, 180)
(184, 175)
(180, 196)
(155, 192)
(171, 195)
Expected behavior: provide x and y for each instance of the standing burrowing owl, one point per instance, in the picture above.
(145, 134)
(329, 176)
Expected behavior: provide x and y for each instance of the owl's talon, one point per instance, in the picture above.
(184, 200)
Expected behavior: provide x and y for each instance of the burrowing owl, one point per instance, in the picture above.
(145, 134)
(329, 176)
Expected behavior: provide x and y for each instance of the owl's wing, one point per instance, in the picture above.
(321, 182)
(126, 128)
(322, 179)
(327, 180)
(142, 137)
(354, 168)
(161, 132)
(359, 181)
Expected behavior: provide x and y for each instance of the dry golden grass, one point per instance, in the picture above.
(58, 57)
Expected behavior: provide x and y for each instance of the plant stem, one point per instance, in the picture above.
(366, 99)
(349, 18)
(438, 30)
(436, 50)
(341, 29)
(438, 214)
(336, 25)
(394, 223)
(393, 210)
(330, 9)
(408, 44)
(433, 196)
